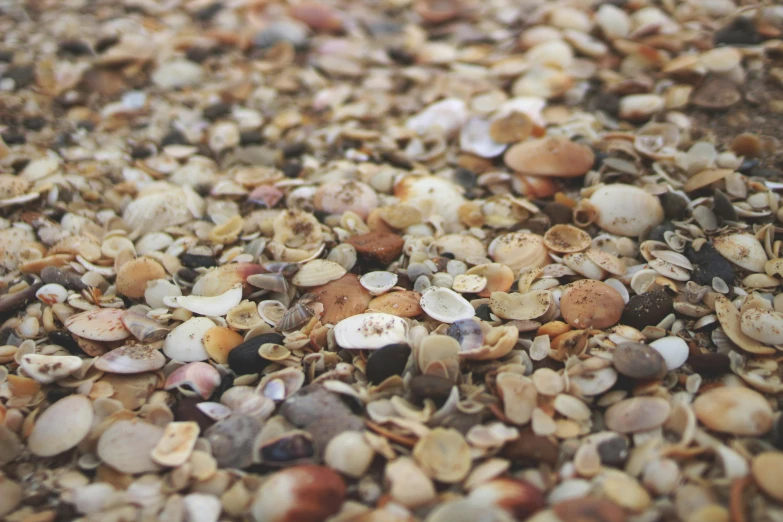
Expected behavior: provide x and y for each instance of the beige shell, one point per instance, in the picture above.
(443, 454)
(244, 316)
(566, 239)
(349, 453)
(318, 272)
(378, 282)
(530, 305)
(499, 277)
(127, 446)
(469, 283)
(445, 305)
(497, 343)
(519, 396)
(743, 250)
(271, 311)
(462, 246)
(61, 426)
(607, 261)
(176, 445)
(214, 306)
(431, 195)
(730, 320)
(519, 250)
(626, 210)
(763, 326)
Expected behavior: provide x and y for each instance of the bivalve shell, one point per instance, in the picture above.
(743, 250)
(626, 210)
(134, 358)
(176, 445)
(300, 493)
(521, 307)
(637, 414)
(52, 293)
(201, 377)
(591, 304)
(519, 250)
(444, 454)
(763, 326)
(104, 324)
(127, 446)
(378, 282)
(567, 239)
(318, 272)
(371, 331)
(734, 410)
(550, 156)
(731, 322)
(215, 306)
(673, 350)
(186, 342)
(445, 305)
(49, 368)
(61, 426)
(349, 453)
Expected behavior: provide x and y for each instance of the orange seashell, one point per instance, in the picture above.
(218, 341)
(401, 304)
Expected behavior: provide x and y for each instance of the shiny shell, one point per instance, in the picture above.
(591, 304)
(61, 426)
(445, 305)
(131, 359)
(318, 272)
(626, 210)
(200, 377)
(104, 324)
(215, 306)
(186, 342)
(51, 293)
(566, 239)
(370, 331)
(378, 282)
(743, 250)
(550, 156)
(673, 349)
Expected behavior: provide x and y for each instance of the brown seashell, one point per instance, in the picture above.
(405, 303)
(499, 277)
(591, 304)
(133, 276)
(317, 16)
(734, 410)
(705, 178)
(716, 93)
(567, 239)
(131, 390)
(342, 298)
(437, 11)
(377, 247)
(299, 494)
(550, 156)
(512, 128)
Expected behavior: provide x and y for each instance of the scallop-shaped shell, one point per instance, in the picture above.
(215, 306)
(61, 426)
(519, 250)
(127, 445)
(566, 239)
(370, 331)
(763, 326)
(743, 250)
(134, 358)
(378, 282)
(730, 320)
(581, 264)
(49, 368)
(186, 342)
(523, 307)
(461, 246)
(201, 377)
(445, 305)
(272, 311)
(318, 272)
(104, 324)
(469, 284)
(607, 261)
(626, 210)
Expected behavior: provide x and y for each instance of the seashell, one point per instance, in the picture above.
(475, 138)
(607, 261)
(318, 272)
(444, 455)
(581, 264)
(273, 352)
(444, 117)
(445, 305)
(637, 414)
(186, 342)
(158, 290)
(305, 493)
(295, 317)
(705, 178)
(519, 250)
(593, 383)
(371, 331)
(344, 255)
(49, 368)
(469, 284)
(219, 341)
(743, 250)
(272, 311)
(567, 239)
(61, 426)
(519, 396)
(214, 410)
(626, 210)
(281, 384)
(176, 445)
(431, 195)
(730, 320)
(52, 293)
(637, 107)
(244, 359)
(499, 277)
(530, 305)
(377, 247)
(401, 304)
(271, 282)
(342, 298)
(223, 278)
(201, 377)
(497, 343)
(673, 350)
(735, 410)
(244, 316)
(346, 195)
(143, 328)
(669, 270)
(126, 446)
(134, 358)
(461, 246)
(160, 206)
(763, 326)
(550, 156)
(202, 507)
(104, 324)
(378, 282)
(215, 306)
(232, 440)
(349, 453)
(133, 276)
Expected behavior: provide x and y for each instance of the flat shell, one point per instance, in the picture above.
(61, 426)
(445, 305)
(131, 359)
(529, 305)
(318, 272)
(186, 342)
(104, 324)
(591, 304)
(734, 410)
(637, 414)
(127, 446)
(176, 445)
(370, 331)
(378, 282)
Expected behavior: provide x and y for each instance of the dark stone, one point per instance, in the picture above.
(293, 150)
(741, 31)
(56, 393)
(141, 151)
(250, 137)
(748, 165)
(311, 403)
(708, 264)
(187, 274)
(75, 47)
(777, 433)
(174, 137)
(657, 234)
(710, 364)
(387, 361)
(761, 171)
(647, 309)
(197, 54)
(639, 361)
(607, 102)
(292, 169)
(558, 213)
(432, 387)
(721, 205)
(674, 206)
(226, 383)
(103, 44)
(22, 75)
(244, 359)
(613, 452)
(232, 440)
(287, 449)
(6, 55)
(465, 177)
(216, 110)
(483, 311)
(207, 13)
(401, 56)
(185, 410)
(65, 340)
(530, 448)
(64, 277)
(12, 136)
(197, 260)
(327, 427)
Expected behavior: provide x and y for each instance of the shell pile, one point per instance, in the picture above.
(391, 261)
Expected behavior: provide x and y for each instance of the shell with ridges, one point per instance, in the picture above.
(318, 272)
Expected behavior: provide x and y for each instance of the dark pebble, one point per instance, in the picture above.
(292, 169)
(250, 137)
(244, 359)
(65, 340)
(11, 302)
(174, 137)
(761, 171)
(710, 364)
(708, 264)
(288, 449)
(483, 311)
(722, 206)
(56, 393)
(198, 54)
(142, 150)
(327, 427)
(207, 13)
(396, 159)
(311, 403)
(607, 102)
(197, 260)
(465, 177)
(748, 164)
(6, 56)
(401, 56)
(777, 432)
(187, 274)
(217, 110)
(639, 361)
(647, 309)
(613, 452)
(294, 150)
(387, 361)
(674, 206)
(185, 410)
(232, 440)
(741, 31)
(64, 277)
(75, 47)
(657, 234)
(530, 448)
(558, 213)
(105, 43)
(432, 387)
(12, 136)
(22, 75)
(226, 383)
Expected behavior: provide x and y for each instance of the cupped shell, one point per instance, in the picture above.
(730, 320)
(61, 426)
(566, 239)
(186, 342)
(743, 250)
(201, 377)
(626, 210)
(318, 272)
(134, 358)
(370, 331)
(104, 324)
(215, 306)
(378, 282)
(445, 305)
(523, 307)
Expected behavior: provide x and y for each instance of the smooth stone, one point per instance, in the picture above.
(613, 452)
(550, 156)
(233, 439)
(387, 361)
(735, 410)
(377, 247)
(432, 387)
(709, 264)
(639, 361)
(529, 447)
(647, 309)
(710, 364)
(244, 359)
(637, 414)
(673, 349)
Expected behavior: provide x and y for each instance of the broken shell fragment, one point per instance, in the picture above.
(215, 306)
(371, 331)
(133, 358)
(61, 426)
(200, 377)
(49, 368)
(445, 305)
(104, 324)
(143, 328)
(521, 307)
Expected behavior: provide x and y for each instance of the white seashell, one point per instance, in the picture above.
(595, 382)
(669, 270)
(475, 139)
(674, 258)
(743, 250)
(52, 293)
(202, 507)
(131, 359)
(370, 331)
(621, 289)
(731, 322)
(49, 368)
(469, 284)
(104, 324)
(673, 349)
(349, 453)
(153, 242)
(161, 206)
(581, 264)
(318, 272)
(126, 446)
(214, 410)
(626, 210)
(272, 311)
(445, 305)
(186, 342)
(445, 116)
(763, 326)
(61, 426)
(215, 306)
(432, 196)
(159, 289)
(378, 282)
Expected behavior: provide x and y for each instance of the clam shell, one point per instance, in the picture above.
(743, 250)
(403, 304)
(52, 293)
(219, 341)
(461, 246)
(499, 277)
(295, 317)
(378, 282)
(626, 210)
(143, 328)
(244, 316)
(445, 305)
(127, 446)
(215, 306)
(201, 377)
(550, 156)
(131, 359)
(49, 368)
(272, 311)
(763, 326)
(349, 453)
(431, 195)
(567, 239)
(159, 289)
(475, 138)
(61, 426)
(371, 331)
(318, 272)
(529, 305)
(186, 342)
(104, 324)
(673, 350)
(730, 320)
(156, 209)
(223, 278)
(518, 250)
(469, 283)
(176, 445)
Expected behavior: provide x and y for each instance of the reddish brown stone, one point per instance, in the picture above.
(378, 247)
(342, 298)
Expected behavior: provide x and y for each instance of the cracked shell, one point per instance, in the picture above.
(521, 307)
